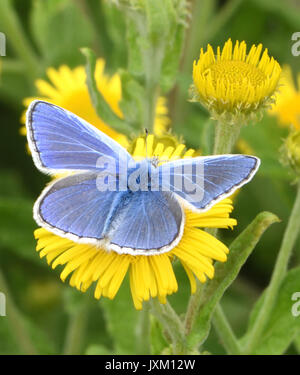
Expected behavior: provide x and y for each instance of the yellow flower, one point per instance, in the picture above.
(287, 107)
(68, 89)
(153, 275)
(290, 151)
(233, 84)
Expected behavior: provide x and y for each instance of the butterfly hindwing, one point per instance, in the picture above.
(73, 207)
(147, 221)
(132, 223)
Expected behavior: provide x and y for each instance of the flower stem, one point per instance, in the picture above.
(281, 266)
(151, 96)
(152, 63)
(225, 331)
(16, 321)
(143, 331)
(17, 38)
(226, 136)
(202, 12)
(76, 330)
(171, 323)
(192, 310)
(152, 57)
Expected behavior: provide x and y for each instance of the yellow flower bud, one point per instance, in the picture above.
(233, 84)
(291, 151)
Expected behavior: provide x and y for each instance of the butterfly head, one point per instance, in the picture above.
(155, 161)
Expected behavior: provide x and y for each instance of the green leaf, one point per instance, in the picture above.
(101, 106)
(59, 30)
(132, 99)
(134, 47)
(111, 32)
(155, 37)
(158, 342)
(17, 226)
(282, 327)
(225, 274)
(172, 57)
(166, 27)
(158, 19)
(121, 318)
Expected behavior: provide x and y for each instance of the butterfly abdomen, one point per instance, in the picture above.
(118, 202)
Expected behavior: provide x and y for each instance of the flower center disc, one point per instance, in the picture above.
(235, 73)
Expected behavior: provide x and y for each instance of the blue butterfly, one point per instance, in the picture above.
(135, 217)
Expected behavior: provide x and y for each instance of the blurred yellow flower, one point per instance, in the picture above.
(233, 84)
(68, 89)
(290, 151)
(287, 107)
(153, 275)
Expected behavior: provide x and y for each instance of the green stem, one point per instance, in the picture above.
(280, 269)
(76, 330)
(151, 96)
(225, 332)
(143, 331)
(192, 310)
(171, 323)
(153, 56)
(16, 320)
(202, 12)
(226, 136)
(16, 37)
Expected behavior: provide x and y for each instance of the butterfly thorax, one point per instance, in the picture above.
(142, 176)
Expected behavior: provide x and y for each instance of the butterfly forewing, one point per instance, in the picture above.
(61, 141)
(203, 181)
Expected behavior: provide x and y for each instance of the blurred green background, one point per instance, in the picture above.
(56, 30)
